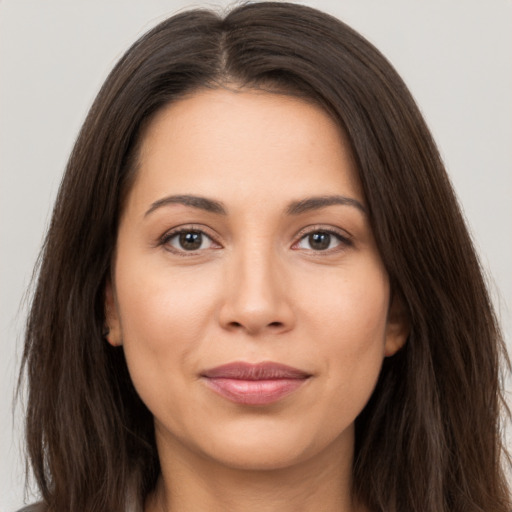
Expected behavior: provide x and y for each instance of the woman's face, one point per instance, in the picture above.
(248, 293)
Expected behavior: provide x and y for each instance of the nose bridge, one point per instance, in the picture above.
(256, 269)
(257, 298)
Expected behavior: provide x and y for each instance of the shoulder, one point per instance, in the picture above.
(36, 507)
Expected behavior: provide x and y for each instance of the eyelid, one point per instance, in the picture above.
(344, 237)
(185, 228)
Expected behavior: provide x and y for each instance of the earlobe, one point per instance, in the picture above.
(112, 328)
(398, 327)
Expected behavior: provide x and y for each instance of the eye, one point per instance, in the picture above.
(188, 240)
(321, 240)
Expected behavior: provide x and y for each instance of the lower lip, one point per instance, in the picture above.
(254, 392)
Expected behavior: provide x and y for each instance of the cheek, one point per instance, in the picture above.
(164, 320)
(351, 305)
(159, 303)
(348, 320)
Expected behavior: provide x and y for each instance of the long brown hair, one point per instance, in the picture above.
(429, 439)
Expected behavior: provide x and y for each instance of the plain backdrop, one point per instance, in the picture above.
(456, 57)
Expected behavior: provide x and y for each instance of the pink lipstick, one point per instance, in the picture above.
(254, 384)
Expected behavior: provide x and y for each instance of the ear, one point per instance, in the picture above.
(113, 325)
(398, 326)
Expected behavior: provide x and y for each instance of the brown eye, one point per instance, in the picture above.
(322, 241)
(189, 240)
(319, 241)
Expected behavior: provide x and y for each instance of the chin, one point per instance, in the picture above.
(270, 449)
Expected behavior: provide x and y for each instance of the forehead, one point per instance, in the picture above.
(220, 141)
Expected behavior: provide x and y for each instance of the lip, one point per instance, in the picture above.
(254, 384)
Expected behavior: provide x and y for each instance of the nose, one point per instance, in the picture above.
(257, 299)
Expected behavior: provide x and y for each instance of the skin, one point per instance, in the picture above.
(257, 289)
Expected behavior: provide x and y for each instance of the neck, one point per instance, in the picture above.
(190, 481)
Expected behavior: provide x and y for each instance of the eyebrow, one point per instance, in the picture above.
(201, 203)
(294, 208)
(316, 203)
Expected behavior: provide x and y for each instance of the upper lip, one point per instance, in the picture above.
(259, 371)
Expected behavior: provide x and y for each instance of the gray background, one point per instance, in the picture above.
(456, 57)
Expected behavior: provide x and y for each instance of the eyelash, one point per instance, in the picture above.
(165, 240)
(343, 239)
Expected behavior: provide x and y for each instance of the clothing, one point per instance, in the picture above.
(39, 507)
(36, 507)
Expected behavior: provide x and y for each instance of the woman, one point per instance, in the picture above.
(257, 291)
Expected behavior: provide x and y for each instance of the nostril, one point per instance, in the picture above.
(272, 325)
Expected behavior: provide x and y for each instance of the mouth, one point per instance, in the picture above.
(254, 384)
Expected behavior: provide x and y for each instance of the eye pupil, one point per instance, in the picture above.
(319, 241)
(191, 240)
